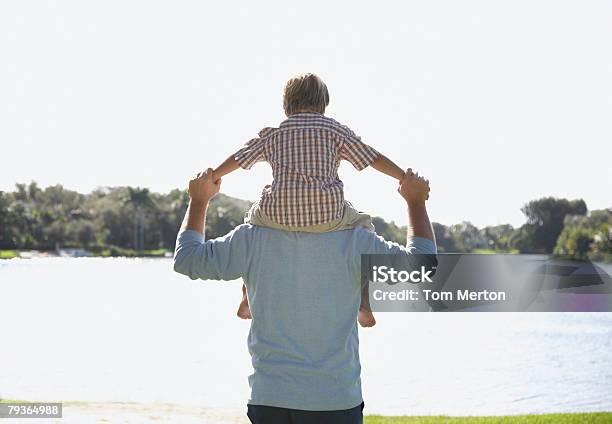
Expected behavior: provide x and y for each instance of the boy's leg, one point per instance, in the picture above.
(365, 317)
(353, 218)
(244, 311)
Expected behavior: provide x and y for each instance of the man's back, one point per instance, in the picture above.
(304, 335)
(304, 293)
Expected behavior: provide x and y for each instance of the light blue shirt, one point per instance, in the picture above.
(304, 293)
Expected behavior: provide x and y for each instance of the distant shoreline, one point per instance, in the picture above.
(83, 253)
(114, 252)
(136, 222)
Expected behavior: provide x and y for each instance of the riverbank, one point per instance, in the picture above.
(9, 254)
(107, 252)
(135, 413)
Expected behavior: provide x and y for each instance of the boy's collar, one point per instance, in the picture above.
(294, 119)
(304, 113)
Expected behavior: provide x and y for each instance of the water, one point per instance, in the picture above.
(131, 330)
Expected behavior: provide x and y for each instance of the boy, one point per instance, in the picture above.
(306, 193)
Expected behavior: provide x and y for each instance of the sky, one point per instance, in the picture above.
(496, 103)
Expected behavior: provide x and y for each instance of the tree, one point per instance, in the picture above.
(9, 238)
(466, 237)
(444, 238)
(545, 220)
(574, 243)
(587, 236)
(140, 201)
(498, 237)
(119, 218)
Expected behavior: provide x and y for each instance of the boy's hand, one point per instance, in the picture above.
(203, 187)
(414, 189)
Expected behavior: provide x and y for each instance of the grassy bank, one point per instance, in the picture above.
(8, 254)
(128, 253)
(494, 251)
(591, 418)
(104, 252)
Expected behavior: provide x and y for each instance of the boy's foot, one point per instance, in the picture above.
(366, 318)
(244, 311)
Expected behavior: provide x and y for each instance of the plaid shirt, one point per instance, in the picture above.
(305, 152)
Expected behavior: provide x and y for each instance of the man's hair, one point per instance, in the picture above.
(305, 93)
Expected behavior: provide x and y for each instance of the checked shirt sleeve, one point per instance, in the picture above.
(251, 153)
(355, 151)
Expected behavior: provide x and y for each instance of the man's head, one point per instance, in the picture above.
(305, 93)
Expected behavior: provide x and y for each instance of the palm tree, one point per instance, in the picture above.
(139, 199)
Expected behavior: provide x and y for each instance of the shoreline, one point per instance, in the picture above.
(114, 252)
(82, 253)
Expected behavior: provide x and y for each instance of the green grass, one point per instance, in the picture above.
(494, 251)
(592, 418)
(8, 254)
(114, 251)
(104, 253)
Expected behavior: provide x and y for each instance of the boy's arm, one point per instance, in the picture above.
(229, 165)
(387, 166)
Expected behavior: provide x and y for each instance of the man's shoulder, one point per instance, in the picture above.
(243, 230)
(256, 231)
(362, 232)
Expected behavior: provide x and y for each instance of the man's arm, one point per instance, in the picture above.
(415, 191)
(418, 223)
(420, 235)
(195, 217)
(387, 166)
(201, 189)
(223, 258)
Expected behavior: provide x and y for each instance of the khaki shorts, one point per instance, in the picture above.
(351, 218)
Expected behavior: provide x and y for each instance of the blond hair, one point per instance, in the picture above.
(305, 93)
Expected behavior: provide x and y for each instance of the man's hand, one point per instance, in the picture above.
(202, 188)
(414, 189)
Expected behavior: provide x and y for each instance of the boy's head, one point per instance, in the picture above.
(305, 93)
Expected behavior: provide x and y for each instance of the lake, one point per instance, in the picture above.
(131, 330)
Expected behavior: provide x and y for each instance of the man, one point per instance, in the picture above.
(304, 292)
